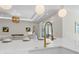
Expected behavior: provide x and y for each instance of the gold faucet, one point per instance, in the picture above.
(45, 44)
(44, 39)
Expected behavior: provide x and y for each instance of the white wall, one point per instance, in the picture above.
(70, 37)
(15, 28)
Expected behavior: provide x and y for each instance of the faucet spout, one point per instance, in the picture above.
(45, 36)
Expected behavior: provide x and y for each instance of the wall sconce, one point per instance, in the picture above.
(15, 19)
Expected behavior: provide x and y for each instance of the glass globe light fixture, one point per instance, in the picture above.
(62, 12)
(39, 9)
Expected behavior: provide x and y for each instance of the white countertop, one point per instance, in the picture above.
(18, 46)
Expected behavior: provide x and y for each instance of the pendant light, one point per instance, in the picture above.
(62, 12)
(40, 9)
